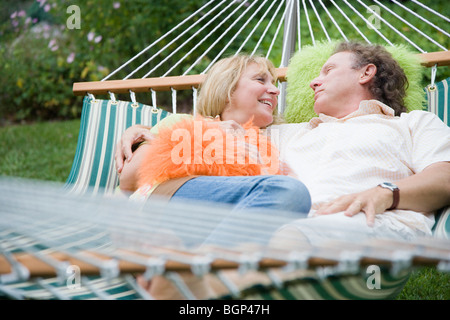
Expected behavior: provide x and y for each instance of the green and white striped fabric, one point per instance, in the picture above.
(102, 124)
(438, 100)
(334, 287)
(441, 228)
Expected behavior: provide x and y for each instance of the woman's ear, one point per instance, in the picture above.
(367, 73)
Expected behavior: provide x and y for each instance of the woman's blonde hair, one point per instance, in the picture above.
(220, 82)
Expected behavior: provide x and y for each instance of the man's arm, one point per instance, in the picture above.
(131, 136)
(426, 191)
(129, 175)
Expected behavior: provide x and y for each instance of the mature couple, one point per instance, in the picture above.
(363, 164)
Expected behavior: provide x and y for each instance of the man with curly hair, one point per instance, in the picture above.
(372, 168)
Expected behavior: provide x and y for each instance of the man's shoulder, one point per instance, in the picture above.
(414, 115)
(422, 118)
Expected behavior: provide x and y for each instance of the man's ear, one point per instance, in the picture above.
(367, 73)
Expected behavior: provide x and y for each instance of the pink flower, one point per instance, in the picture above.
(53, 45)
(116, 5)
(47, 8)
(13, 15)
(90, 36)
(71, 57)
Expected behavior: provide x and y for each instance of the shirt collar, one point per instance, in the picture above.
(366, 107)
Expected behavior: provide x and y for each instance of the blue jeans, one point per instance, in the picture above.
(250, 198)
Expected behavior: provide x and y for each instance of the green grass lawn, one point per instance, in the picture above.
(38, 151)
(45, 151)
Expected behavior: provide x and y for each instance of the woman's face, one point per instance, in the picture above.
(255, 95)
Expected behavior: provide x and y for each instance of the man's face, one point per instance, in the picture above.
(336, 86)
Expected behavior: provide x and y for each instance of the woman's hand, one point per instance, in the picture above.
(132, 135)
(372, 202)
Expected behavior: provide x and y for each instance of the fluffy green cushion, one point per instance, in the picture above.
(305, 65)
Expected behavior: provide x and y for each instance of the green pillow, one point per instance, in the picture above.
(305, 65)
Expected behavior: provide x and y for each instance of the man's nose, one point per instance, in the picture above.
(315, 83)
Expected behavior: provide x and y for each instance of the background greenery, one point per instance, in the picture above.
(37, 73)
(41, 58)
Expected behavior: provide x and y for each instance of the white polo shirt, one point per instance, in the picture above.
(334, 157)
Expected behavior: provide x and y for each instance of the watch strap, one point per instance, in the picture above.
(396, 193)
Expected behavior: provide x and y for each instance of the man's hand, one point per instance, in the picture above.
(232, 127)
(134, 134)
(372, 202)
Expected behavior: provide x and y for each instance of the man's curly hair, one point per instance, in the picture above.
(390, 83)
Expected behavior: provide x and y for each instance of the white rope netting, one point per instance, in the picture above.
(276, 29)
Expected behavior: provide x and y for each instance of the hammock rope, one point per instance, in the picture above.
(410, 25)
(291, 9)
(422, 18)
(390, 26)
(224, 33)
(192, 37)
(157, 41)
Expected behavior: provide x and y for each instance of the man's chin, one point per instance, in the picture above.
(317, 108)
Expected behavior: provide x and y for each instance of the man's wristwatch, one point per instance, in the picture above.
(395, 190)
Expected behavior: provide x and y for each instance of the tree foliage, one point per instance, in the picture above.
(41, 57)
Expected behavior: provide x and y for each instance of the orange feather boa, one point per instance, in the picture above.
(198, 146)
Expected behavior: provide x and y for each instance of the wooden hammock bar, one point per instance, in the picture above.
(418, 255)
(441, 58)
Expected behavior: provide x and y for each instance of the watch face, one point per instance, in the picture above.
(389, 185)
